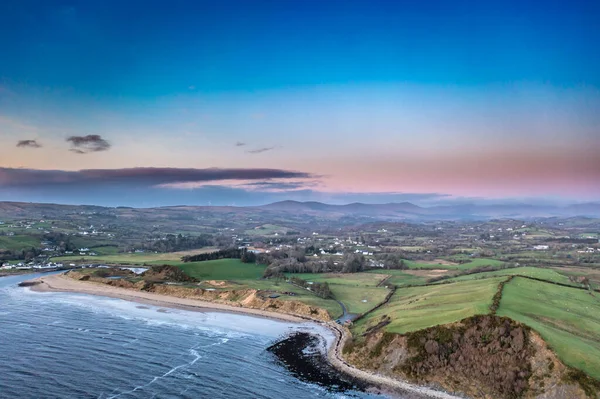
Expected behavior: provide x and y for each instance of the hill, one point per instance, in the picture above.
(390, 211)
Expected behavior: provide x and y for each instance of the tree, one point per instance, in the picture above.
(353, 263)
(248, 257)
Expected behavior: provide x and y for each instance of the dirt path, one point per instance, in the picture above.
(336, 359)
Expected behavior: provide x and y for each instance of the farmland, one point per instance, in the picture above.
(470, 264)
(357, 291)
(567, 318)
(407, 277)
(222, 269)
(534, 272)
(346, 279)
(415, 308)
(19, 242)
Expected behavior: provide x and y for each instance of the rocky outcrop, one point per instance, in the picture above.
(29, 283)
(481, 357)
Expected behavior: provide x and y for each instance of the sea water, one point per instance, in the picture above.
(65, 345)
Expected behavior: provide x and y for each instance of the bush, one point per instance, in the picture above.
(102, 273)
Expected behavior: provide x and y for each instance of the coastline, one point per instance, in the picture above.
(61, 283)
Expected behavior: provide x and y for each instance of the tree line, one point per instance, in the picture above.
(228, 253)
(319, 289)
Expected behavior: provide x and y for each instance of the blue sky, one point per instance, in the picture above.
(466, 98)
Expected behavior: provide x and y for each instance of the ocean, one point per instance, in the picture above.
(65, 345)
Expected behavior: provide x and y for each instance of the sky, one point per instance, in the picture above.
(148, 103)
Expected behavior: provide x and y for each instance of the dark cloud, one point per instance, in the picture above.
(240, 144)
(136, 177)
(28, 144)
(87, 144)
(278, 185)
(260, 150)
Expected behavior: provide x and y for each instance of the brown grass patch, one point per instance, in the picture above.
(428, 272)
(444, 262)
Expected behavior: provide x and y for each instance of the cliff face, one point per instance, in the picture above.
(481, 357)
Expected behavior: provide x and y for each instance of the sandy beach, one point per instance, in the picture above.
(61, 283)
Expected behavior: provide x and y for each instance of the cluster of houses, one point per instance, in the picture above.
(31, 265)
(588, 250)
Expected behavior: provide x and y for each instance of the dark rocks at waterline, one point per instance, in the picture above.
(300, 354)
(30, 283)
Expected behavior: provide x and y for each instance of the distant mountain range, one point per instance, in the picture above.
(407, 210)
(391, 211)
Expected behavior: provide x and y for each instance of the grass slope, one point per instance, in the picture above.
(353, 297)
(415, 308)
(18, 243)
(222, 269)
(357, 291)
(477, 262)
(347, 279)
(400, 278)
(568, 319)
(535, 272)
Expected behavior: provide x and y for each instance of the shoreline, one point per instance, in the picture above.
(61, 283)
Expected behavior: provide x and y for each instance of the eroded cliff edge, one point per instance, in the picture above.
(480, 357)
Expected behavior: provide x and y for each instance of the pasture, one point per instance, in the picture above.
(222, 269)
(357, 291)
(535, 272)
(358, 299)
(346, 279)
(407, 277)
(416, 308)
(472, 263)
(19, 242)
(567, 318)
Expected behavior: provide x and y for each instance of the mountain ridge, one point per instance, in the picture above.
(387, 211)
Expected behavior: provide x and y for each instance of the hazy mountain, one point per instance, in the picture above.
(390, 211)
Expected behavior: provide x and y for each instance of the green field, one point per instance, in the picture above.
(357, 291)
(415, 308)
(222, 269)
(476, 262)
(535, 272)
(400, 278)
(353, 297)
(18, 242)
(567, 318)
(412, 249)
(106, 250)
(346, 279)
(267, 229)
